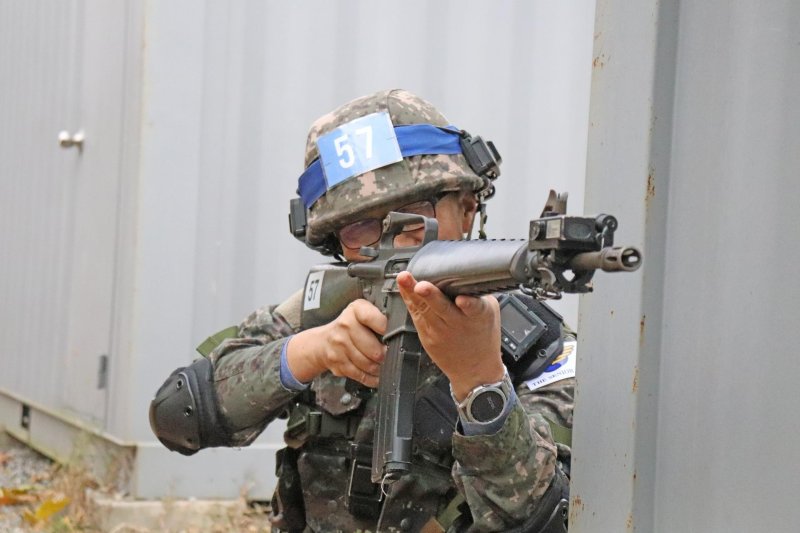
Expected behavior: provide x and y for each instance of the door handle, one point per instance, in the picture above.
(65, 140)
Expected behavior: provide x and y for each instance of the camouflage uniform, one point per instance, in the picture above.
(502, 476)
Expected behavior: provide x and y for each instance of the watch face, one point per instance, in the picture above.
(487, 405)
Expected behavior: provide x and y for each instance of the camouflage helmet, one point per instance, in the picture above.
(375, 192)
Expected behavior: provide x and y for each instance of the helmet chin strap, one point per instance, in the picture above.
(480, 214)
(483, 218)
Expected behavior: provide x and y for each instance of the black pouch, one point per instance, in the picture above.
(531, 335)
(364, 498)
(288, 510)
(435, 418)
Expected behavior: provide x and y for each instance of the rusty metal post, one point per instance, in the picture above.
(687, 402)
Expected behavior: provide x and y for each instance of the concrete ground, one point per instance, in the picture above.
(23, 472)
(64, 498)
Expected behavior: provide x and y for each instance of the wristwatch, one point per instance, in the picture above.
(485, 403)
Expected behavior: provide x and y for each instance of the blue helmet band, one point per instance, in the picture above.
(414, 139)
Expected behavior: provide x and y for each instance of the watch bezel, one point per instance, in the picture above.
(502, 387)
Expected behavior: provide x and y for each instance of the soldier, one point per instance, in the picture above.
(494, 471)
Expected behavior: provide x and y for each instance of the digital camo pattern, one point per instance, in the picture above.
(374, 193)
(245, 367)
(555, 402)
(507, 472)
(502, 476)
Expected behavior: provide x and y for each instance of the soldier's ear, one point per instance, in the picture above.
(469, 204)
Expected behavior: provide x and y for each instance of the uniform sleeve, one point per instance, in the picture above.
(503, 476)
(247, 373)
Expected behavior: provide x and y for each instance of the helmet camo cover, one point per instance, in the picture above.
(376, 192)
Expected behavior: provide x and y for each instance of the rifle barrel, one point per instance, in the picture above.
(610, 259)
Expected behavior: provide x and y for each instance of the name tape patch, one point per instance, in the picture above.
(562, 367)
(311, 295)
(359, 146)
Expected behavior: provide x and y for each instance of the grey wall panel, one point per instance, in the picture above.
(687, 400)
(727, 377)
(96, 219)
(37, 50)
(167, 196)
(614, 442)
(62, 217)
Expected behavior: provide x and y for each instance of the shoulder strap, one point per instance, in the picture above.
(208, 345)
(561, 434)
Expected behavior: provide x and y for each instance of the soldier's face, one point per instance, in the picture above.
(454, 213)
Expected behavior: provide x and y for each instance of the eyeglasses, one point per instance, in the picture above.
(368, 231)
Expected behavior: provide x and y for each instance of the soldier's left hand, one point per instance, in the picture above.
(462, 337)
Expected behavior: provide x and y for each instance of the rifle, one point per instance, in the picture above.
(560, 255)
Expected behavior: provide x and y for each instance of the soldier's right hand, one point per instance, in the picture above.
(347, 346)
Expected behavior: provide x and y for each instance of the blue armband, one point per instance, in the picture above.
(288, 380)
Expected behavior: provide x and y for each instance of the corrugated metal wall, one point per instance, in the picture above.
(213, 102)
(36, 101)
(63, 67)
(688, 408)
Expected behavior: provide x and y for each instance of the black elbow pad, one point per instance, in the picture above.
(184, 414)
